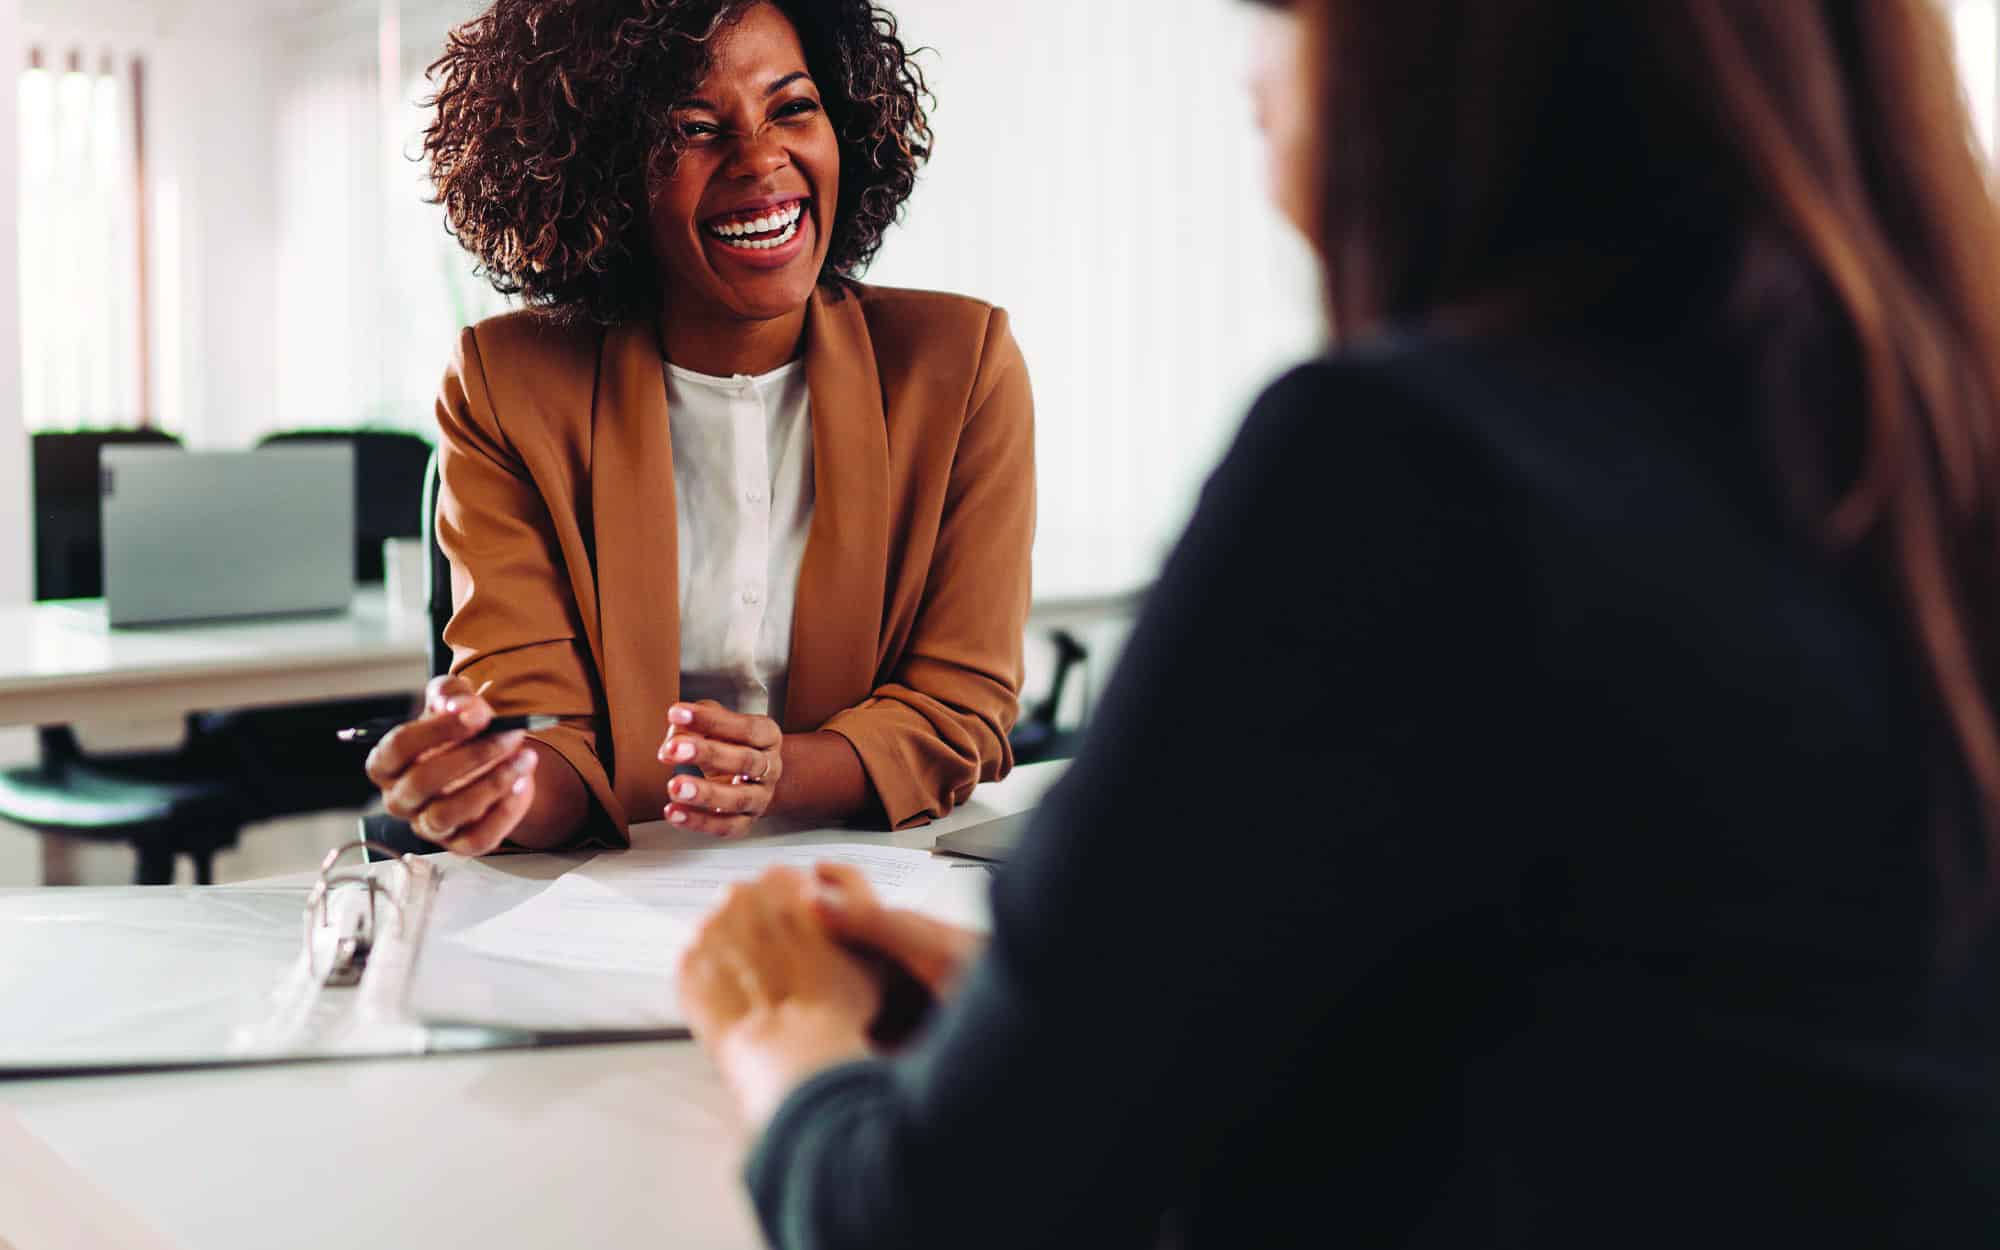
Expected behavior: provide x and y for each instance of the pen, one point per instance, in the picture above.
(369, 731)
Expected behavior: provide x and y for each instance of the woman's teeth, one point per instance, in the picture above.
(766, 244)
(741, 233)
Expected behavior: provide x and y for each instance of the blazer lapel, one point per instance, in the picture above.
(638, 561)
(844, 574)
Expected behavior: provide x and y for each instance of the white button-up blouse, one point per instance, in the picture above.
(743, 495)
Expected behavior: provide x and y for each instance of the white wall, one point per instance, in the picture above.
(211, 148)
(1976, 29)
(371, 290)
(16, 528)
(1098, 174)
(258, 271)
(212, 155)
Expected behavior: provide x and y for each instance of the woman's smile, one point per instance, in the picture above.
(764, 234)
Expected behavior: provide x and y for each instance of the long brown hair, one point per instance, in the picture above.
(1813, 158)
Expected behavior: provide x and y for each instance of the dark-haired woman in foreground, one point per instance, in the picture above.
(716, 505)
(1618, 868)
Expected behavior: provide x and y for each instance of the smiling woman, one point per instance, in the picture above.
(756, 533)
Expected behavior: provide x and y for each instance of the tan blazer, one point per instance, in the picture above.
(557, 512)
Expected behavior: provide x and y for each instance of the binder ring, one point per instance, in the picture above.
(364, 845)
(350, 954)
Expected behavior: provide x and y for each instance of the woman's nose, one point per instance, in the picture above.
(758, 156)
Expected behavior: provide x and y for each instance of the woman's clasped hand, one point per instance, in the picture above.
(741, 759)
(775, 983)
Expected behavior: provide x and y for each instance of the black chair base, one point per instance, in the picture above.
(1036, 738)
(1038, 743)
(156, 866)
(161, 820)
(287, 759)
(154, 861)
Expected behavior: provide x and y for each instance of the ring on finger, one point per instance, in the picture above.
(765, 771)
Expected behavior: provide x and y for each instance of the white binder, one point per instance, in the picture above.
(133, 978)
(415, 955)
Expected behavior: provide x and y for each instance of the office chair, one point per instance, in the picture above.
(1036, 738)
(294, 763)
(389, 468)
(163, 803)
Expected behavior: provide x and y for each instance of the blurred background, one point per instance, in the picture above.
(222, 233)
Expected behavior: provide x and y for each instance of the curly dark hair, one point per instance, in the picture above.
(552, 118)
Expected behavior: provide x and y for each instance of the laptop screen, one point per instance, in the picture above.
(205, 535)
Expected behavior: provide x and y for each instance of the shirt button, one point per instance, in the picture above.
(752, 598)
(755, 494)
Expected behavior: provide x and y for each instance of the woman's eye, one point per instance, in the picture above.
(798, 108)
(697, 130)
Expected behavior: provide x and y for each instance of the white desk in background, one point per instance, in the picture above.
(1085, 608)
(59, 665)
(606, 1146)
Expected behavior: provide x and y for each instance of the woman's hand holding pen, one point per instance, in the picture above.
(741, 759)
(462, 791)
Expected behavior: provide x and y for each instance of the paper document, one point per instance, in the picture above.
(636, 913)
(608, 935)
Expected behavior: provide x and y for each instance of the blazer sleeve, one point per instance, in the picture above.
(938, 726)
(515, 630)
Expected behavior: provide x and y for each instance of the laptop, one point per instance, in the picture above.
(213, 535)
(990, 840)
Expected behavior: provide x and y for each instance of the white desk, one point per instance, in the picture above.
(60, 666)
(1072, 610)
(611, 1147)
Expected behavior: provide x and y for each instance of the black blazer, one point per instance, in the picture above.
(1505, 829)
